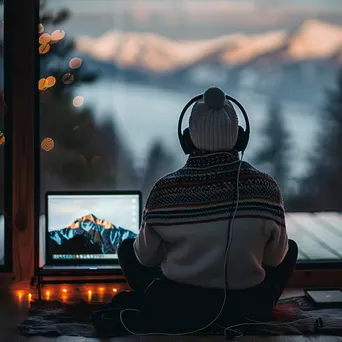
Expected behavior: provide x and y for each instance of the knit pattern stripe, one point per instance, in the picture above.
(204, 190)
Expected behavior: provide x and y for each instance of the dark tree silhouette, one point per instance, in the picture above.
(322, 188)
(273, 156)
(86, 153)
(159, 162)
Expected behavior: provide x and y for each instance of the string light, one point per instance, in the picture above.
(75, 63)
(2, 138)
(44, 39)
(41, 84)
(50, 82)
(68, 78)
(44, 49)
(78, 101)
(47, 144)
(65, 290)
(115, 290)
(56, 36)
(40, 28)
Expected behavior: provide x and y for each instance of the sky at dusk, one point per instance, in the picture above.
(189, 19)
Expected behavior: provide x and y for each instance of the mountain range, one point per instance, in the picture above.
(296, 65)
(314, 40)
(88, 235)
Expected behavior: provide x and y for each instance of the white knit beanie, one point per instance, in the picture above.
(213, 123)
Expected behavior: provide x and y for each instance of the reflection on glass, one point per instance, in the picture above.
(124, 71)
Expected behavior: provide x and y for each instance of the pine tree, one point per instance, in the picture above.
(273, 156)
(86, 154)
(159, 162)
(322, 189)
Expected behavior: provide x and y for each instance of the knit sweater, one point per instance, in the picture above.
(185, 223)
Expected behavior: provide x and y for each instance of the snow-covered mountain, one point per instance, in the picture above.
(314, 40)
(296, 66)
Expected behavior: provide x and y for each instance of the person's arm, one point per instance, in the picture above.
(276, 246)
(149, 247)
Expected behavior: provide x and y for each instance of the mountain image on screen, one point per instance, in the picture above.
(88, 235)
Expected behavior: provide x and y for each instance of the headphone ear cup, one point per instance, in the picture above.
(242, 140)
(186, 142)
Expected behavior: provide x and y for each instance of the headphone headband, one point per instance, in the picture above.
(200, 97)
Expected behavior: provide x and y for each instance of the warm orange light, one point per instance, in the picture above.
(64, 290)
(48, 293)
(101, 289)
(89, 292)
(115, 290)
(20, 295)
(40, 28)
(2, 138)
(41, 84)
(57, 35)
(47, 144)
(50, 81)
(44, 49)
(68, 78)
(29, 296)
(44, 39)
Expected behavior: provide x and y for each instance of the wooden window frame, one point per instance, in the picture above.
(22, 64)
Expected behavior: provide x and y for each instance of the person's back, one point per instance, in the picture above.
(190, 210)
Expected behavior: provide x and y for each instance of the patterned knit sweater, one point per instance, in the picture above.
(185, 223)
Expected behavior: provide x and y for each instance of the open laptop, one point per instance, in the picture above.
(85, 229)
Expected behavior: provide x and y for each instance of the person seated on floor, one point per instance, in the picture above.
(213, 246)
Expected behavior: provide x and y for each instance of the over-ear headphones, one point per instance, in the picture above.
(185, 140)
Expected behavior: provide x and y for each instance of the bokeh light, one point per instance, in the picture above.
(40, 28)
(44, 48)
(47, 144)
(57, 35)
(75, 63)
(50, 82)
(68, 78)
(41, 84)
(2, 138)
(78, 101)
(44, 39)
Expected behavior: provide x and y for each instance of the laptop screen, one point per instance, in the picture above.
(88, 229)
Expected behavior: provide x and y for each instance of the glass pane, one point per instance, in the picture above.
(2, 143)
(115, 76)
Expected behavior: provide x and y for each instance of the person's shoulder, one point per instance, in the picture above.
(263, 180)
(163, 186)
(168, 179)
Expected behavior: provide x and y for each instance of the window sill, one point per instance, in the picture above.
(316, 278)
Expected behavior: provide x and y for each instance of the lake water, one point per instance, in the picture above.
(144, 113)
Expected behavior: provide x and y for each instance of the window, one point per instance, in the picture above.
(114, 76)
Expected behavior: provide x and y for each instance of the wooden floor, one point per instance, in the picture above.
(13, 311)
